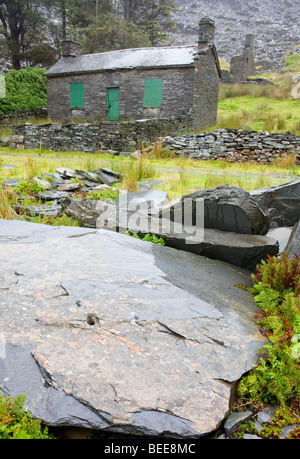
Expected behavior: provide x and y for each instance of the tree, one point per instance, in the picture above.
(75, 14)
(22, 26)
(110, 33)
(154, 17)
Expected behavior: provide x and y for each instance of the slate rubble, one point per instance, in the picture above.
(234, 145)
(244, 245)
(89, 212)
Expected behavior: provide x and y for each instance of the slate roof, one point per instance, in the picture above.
(127, 59)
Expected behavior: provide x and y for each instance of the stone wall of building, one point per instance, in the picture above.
(178, 92)
(90, 137)
(242, 66)
(206, 92)
(235, 146)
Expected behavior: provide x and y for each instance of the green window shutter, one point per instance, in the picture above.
(153, 92)
(76, 95)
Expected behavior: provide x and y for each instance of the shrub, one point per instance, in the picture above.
(28, 188)
(277, 292)
(15, 423)
(25, 90)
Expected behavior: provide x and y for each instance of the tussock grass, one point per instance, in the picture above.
(6, 211)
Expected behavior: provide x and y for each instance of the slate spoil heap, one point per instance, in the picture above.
(231, 224)
(123, 337)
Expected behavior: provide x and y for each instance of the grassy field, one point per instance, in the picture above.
(262, 107)
(178, 175)
(244, 106)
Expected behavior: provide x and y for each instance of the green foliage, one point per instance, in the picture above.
(28, 188)
(103, 195)
(63, 220)
(25, 90)
(277, 293)
(148, 238)
(110, 33)
(273, 429)
(15, 423)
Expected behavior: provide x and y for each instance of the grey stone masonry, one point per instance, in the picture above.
(223, 144)
(235, 146)
(90, 137)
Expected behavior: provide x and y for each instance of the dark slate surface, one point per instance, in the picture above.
(126, 59)
(106, 331)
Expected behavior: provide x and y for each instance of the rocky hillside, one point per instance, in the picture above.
(274, 24)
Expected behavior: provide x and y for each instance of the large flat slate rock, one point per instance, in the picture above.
(244, 250)
(104, 331)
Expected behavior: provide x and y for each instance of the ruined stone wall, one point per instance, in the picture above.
(90, 137)
(235, 146)
(222, 144)
(242, 66)
(206, 92)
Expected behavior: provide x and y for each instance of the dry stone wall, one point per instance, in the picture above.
(223, 144)
(235, 146)
(89, 137)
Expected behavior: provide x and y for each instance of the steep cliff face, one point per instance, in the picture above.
(274, 23)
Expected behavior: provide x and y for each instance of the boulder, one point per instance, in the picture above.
(281, 203)
(69, 187)
(46, 185)
(53, 195)
(4, 141)
(107, 332)
(86, 210)
(96, 214)
(103, 175)
(66, 172)
(226, 208)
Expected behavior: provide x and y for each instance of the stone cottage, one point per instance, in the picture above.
(140, 83)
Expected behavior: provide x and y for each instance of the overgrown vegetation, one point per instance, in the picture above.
(16, 423)
(25, 90)
(276, 379)
(268, 107)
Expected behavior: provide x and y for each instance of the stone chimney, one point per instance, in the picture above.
(206, 31)
(249, 41)
(70, 48)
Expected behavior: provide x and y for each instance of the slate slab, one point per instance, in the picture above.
(239, 249)
(170, 335)
(281, 203)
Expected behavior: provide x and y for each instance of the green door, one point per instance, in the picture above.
(113, 104)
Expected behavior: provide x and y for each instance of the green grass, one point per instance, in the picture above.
(262, 107)
(180, 175)
(259, 113)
